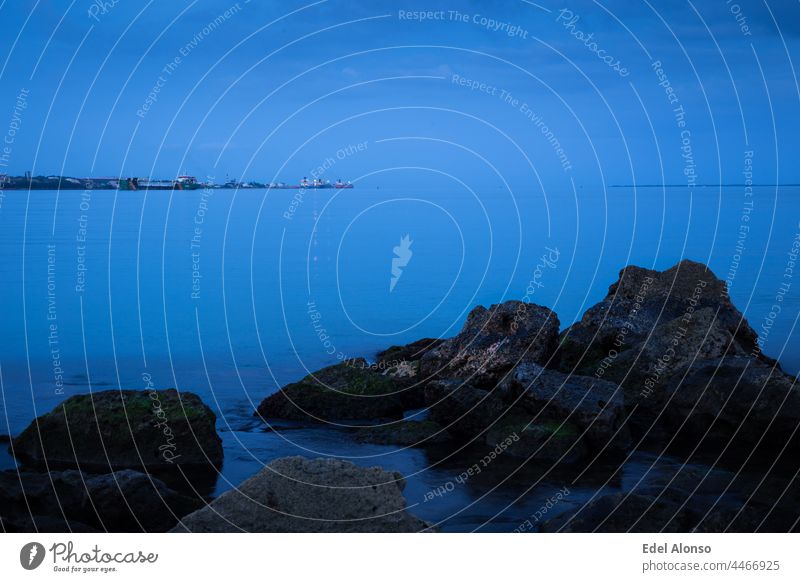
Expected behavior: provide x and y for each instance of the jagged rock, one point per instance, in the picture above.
(673, 339)
(595, 407)
(124, 501)
(405, 433)
(295, 494)
(643, 314)
(492, 342)
(113, 429)
(412, 352)
(350, 390)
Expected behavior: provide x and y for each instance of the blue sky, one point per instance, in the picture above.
(271, 90)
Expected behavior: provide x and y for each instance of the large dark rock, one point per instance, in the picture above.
(492, 342)
(295, 494)
(690, 497)
(677, 345)
(483, 417)
(631, 334)
(539, 440)
(60, 501)
(557, 417)
(350, 390)
(113, 429)
(739, 398)
(404, 433)
(462, 409)
(595, 407)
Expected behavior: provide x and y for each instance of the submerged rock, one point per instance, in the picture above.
(346, 391)
(493, 341)
(295, 494)
(113, 429)
(124, 501)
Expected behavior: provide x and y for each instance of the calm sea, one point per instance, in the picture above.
(231, 294)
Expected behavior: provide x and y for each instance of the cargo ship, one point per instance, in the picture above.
(180, 183)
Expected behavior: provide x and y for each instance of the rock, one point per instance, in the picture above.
(641, 316)
(43, 524)
(661, 336)
(131, 501)
(401, 365)
(24, 493)
(749, 519)
(110, 430)
(350, 390)
(412, 352)
(295, 494)
(405, 433)
(638, 513)
(60, 501)
(483, 417)
(462, 409)
(492, 342)
(547, 442)
(595, 407)
(739, 397)
(618, 513)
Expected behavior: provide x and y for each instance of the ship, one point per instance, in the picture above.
(180, 183)
(315, 184)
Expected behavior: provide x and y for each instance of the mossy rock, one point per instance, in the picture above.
(350, 390)
(123, 429)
